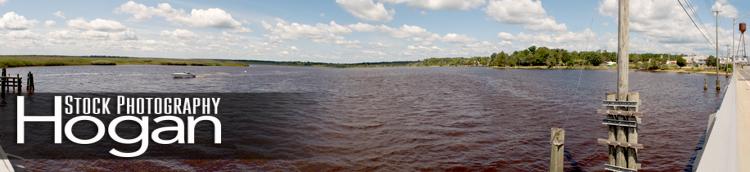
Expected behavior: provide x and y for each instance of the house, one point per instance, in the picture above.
(696, 59)
(671, 62)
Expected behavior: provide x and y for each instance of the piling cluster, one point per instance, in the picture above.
(622, 119)
(14, 84)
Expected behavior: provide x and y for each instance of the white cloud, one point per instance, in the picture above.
(13, 21)
(505, 36)
(93, 30)
(89, 36)
(457, 38)
(49, 23)
(59, 14)
(367, 10)
(321, 33)
(100, 25)
(440, 4)
(211, 17)
(584, 40)
(22, 34)
(363, 27)
(659, 21)
(726, 9)
(529, 13)
(393, 43)
(412, 33)
(663, 26)
(178, 33)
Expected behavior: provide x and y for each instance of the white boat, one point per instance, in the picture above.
(183, 75)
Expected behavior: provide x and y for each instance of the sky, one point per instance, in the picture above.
(352, 31)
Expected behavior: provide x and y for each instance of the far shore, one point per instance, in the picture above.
(43, 60)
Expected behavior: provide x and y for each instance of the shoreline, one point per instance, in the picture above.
(12, 61)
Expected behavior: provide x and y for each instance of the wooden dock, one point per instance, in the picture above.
(14, 84)
(10, 84)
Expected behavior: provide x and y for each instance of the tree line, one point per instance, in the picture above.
(543, 56)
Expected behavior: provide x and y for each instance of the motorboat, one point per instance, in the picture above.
(183, 75)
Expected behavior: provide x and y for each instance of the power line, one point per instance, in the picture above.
(689, 4)
(696, 24)
(692, 9)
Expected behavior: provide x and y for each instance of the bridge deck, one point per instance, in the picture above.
(743, 120)
(724, 150)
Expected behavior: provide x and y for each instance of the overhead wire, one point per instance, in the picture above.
(688, 13)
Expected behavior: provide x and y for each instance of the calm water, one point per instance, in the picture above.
(407, 119)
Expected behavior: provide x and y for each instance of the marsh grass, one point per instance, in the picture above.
(34, 60)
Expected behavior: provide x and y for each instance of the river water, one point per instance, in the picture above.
(422, 119)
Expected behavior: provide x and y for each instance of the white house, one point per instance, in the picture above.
(696, 59)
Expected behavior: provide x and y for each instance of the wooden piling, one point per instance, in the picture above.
(622, 120)
(557, 143)
(718, 84)
(2, 88)
(30, 84)
(18, 84)
(705, 84)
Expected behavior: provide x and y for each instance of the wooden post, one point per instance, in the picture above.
(632, 153)
(705, 84)
(622, 116)
(18, 84)
(612, 150)
(557, 143)
(622, 119)
(2, 88)
(621, 159)
(718, 83)
(30, 84)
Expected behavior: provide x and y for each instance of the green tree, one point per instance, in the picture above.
(681, 62)
(711, 61)
(593, 59)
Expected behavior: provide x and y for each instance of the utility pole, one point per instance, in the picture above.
(621, 108)
(622, 49)
(731, 50)
(718, 62)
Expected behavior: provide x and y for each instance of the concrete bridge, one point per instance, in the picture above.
(727, 145)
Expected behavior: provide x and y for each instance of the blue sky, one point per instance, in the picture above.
(346, 31)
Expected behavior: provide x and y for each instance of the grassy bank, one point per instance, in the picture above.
(708, 71)
(556, 67)
(34, 60)
(334, 65)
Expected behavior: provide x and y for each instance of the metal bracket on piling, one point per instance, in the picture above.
(622, 119)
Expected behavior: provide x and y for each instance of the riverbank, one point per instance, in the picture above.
(555, 67)
(41, 60)
(670, 70)
(693, 71)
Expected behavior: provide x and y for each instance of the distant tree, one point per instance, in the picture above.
(681, 62)
(711, 61)
(594, 59)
